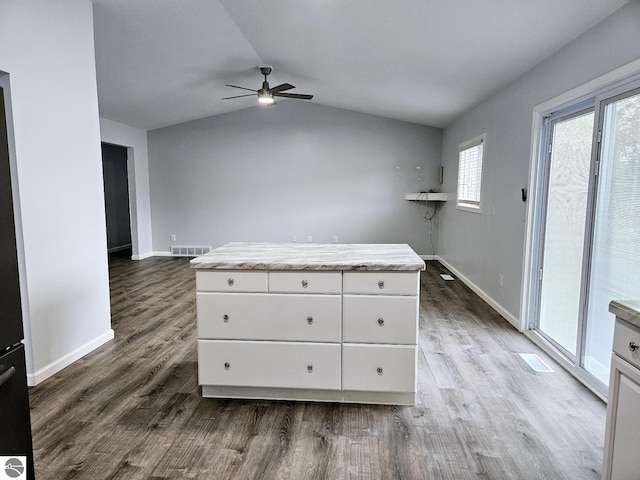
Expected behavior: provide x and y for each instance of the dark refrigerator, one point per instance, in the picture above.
(15, 423)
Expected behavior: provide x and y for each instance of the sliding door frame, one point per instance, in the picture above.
(605, 87)
(627, 89)
(547, 139)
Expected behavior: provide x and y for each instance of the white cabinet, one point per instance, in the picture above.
(265, 316)
(379, 368)
(305, 282)
(623, 423)
(622, 435)
(311, 335)
(269, 364)
(231, 281)
(380, 319)
(382, 283)
(379, 334)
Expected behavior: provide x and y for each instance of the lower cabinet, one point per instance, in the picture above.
(308, 335)
(269, 316)
(622, 434)
(380, 319)
(269, 364)
(379, 368)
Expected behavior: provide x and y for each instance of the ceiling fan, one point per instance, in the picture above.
(266, 95)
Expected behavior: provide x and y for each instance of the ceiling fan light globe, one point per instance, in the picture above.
(265, 98)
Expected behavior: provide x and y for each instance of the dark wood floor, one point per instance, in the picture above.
(132, 410)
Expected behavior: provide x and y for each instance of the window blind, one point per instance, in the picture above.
(470, 174)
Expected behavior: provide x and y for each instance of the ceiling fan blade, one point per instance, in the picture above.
(300, 96)
(240, 96)
(243, 88)
(281, 87)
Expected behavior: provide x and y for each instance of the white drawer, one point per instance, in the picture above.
(305, 282)
(231, 281)
(382, 283)
(625, 336)
(380, 319)
(379, 368)
(268, 316)
(269, 364)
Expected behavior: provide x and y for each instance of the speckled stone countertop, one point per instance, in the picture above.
(310, 256)
(628, 310)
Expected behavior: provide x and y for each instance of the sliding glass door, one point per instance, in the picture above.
(569, 163)
(588, 228)
(615, 254)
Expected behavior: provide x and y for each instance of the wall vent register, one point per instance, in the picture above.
(188, 251)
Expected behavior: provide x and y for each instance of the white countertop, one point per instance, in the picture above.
(310, 256)
(628, 310)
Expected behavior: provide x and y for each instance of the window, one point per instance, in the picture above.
(470, 174)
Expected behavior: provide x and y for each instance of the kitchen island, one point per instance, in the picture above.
(335, 322)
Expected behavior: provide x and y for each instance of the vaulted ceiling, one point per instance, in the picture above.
(163, 62)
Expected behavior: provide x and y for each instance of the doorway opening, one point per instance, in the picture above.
(116, 199)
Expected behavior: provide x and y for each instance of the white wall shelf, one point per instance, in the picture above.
(426, 196)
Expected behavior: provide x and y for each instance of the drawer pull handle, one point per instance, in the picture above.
(381, 322)
(380, 284)
(633, 346)
(305, 284)
(225, 318)
(310, 368)
(230, 282)
(380, 371)
(227, 365)
(310, 320)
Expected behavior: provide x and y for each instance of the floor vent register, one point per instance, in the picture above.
(535, 362)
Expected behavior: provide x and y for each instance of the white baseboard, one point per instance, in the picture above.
(152, 254)
(143, 256)
(34, 379)
(428, 257)
(495, 305)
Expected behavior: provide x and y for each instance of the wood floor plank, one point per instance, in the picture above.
(132, 408)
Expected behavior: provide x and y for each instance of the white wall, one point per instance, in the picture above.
(47, 50)
(138, 169)
(266, 174)
(480, 247)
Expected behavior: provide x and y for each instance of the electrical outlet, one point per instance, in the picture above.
(173, 237)
(309, 239)
(445, 244)
(500, 279)
(335, 239)
(294, 239)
